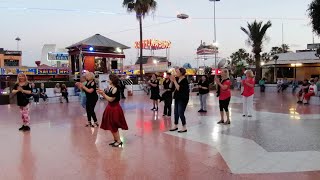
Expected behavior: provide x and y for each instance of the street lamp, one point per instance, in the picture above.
(215, 30)
(295, 65)
(18, 40)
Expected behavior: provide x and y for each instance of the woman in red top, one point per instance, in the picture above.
(224, 94)
(247, 94)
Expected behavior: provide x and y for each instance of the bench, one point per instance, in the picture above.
(274, 88)
(52, 98)
(315, 100)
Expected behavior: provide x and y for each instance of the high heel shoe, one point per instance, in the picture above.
(116, 144)
(111, 144)
(89, 125)
(220, 122)
(228, 122)
(96, 124)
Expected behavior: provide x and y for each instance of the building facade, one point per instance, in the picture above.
(10, 58)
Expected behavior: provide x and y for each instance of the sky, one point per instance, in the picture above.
(61, 22)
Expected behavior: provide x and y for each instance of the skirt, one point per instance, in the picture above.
(155, 96)
(113, 118)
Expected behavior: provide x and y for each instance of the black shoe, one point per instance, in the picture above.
(26, 128)
(22, 128)
(227, 122)
(243, 115)
(200, 110)
(164, 115)
(204, 111)
(299, 102)
(96, 124)
(156, 109)
(183, 131)
(174, 129)
(117, 144)
(153, 109)
(89, 125)
(249, 115)
(220, 122)
(111, 144)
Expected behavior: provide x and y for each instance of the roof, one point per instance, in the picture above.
(100, 41)
(145, 59)
(307, 57)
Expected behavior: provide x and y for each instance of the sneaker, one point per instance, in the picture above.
(26, 128)
(22, 128)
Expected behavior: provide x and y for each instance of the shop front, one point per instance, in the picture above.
(97, 54)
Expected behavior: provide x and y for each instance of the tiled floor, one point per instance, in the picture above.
(281, 141)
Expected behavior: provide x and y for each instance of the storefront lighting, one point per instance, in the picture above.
(118, 50)
(296, 64)
(91, 49)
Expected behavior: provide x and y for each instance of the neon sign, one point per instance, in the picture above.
(153, 44)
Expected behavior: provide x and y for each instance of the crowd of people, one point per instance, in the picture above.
(174, 87)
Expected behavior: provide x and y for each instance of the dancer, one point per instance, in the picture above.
(224, 95)
(113, 117)
(248, 92)
(167, 95)
(83, 98)
(22, 89)
(64, 92)
(181, 96)
(92, 97)
(155, 91)
(203, 86)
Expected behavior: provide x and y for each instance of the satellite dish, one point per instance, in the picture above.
(222, 63)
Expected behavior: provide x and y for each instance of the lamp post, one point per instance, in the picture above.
(295, 65)
(18, 40)
(215, 30)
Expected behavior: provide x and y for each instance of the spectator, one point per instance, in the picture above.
(239, 83)
(295, 85)
(262, 83)
(203, 86)
(122, 86)
(304, 89)
(35, 93)
(312, 91)
(248, 93)
(43, 94)
(64, 92)
(57, 92)
(284, 85)
(279, 84)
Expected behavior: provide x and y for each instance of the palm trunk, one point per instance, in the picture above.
(141, 48)
(258, 67)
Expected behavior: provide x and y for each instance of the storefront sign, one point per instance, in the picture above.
(55, 56)
(153, 44)
(27, 71)
(2, 71)
(63, 71)
(47, 71)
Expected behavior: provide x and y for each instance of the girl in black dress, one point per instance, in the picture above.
(92, 97)
(181, 96)
(168, 87)
(113, 118)
(22, 89)
(155, 91)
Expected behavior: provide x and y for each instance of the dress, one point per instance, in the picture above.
(113, 117)
(155, 91)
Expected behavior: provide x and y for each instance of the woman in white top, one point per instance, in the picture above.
(57, 92)
(311, 92)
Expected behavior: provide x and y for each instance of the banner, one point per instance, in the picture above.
(64, 71)
(47, 71)
(27, 71)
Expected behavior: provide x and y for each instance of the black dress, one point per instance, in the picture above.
(91, 102)
(167, 96)
(23, 99)
(155, 91)
(113, 116)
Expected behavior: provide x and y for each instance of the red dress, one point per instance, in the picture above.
(113, 117)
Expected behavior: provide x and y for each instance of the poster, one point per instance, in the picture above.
(27, 71)
(47, 71)
(64, 71)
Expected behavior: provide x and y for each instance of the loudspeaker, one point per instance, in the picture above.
(114, 64)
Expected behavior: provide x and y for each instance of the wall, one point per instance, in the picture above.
(306, 72)
(89, 63)
(3, 57)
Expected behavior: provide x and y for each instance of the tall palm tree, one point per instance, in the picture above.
(256, 32)
(141, 8)
(314, 14)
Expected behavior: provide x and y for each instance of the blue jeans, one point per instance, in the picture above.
(179, 109)
(83, 100)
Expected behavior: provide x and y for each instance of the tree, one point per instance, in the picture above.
(314, 14)
(141, 8)
(277, 50)
(239, 56)
(256, 32)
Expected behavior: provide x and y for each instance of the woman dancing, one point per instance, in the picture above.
(90, 88)
(155, 91)
(113, 117)
(22, 89)
(224, 95)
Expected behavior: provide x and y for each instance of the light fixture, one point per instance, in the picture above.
(155, 61)
(118, 50)
(91, 49)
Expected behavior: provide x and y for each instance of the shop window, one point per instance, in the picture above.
(10, 62)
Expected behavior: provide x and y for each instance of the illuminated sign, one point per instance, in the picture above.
(55, 56)
(153, 44)
(47, 71)
(63, 71)
(27, 71)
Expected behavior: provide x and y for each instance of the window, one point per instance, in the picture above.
(10, 62)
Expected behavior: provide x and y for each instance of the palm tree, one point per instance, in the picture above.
(256, 32)
(314, 14)
(141, 8)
